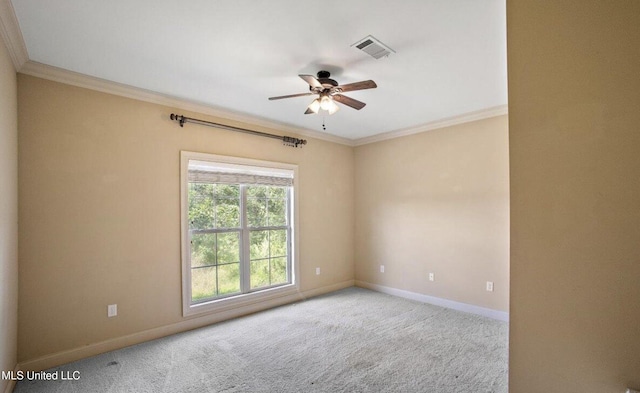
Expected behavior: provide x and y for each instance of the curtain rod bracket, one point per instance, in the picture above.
(178, 118)
(286, 140)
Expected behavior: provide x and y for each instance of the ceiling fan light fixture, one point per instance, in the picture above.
(325, 102)
(328, 104)
(314, 106)
(333, 107)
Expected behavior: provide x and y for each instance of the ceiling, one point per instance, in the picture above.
(450, 55)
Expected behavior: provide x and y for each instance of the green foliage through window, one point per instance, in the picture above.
(216, 238)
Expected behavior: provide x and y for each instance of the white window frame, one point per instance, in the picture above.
(216, 305)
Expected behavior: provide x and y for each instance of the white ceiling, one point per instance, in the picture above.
(233, 55)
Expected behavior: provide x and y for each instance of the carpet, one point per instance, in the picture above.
(353, 340)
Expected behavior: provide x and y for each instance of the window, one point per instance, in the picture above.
(238, 232)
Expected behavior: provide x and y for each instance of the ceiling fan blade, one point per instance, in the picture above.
(291, 95)
(358, 86)
(312, 81)
(348, 101)
(309, 112)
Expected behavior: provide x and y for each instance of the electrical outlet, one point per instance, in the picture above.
(490, 286)
(432, 277)
(381, 268)
(112, 310)
(317, 271)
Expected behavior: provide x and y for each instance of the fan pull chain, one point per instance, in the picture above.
(323, 126)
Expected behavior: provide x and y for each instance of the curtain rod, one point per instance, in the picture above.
(286, 140)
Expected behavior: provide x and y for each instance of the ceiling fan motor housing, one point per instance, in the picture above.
(323, 78)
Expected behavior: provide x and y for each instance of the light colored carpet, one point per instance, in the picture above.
(353, 340)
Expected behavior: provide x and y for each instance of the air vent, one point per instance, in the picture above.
(373, 47)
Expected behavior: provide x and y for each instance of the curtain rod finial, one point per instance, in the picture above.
(181, 119)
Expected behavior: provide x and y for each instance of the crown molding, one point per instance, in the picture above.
(105, 86)
(447, 122)
(11, 35)
(14, 41)
(89, 82)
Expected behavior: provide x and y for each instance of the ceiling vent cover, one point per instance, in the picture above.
(373, 47)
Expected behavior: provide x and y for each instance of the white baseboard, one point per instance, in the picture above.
(71, 355)
(12, 383)
(470, 308)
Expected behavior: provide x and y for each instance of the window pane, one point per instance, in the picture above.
(259, 273)
(203, 249)
(227, 212)
(257, 191)
(228, 278)
(228, 247)
(278, 271)
(231, 191)
(278, 243)
(200, 206)
(256, 212)
(218, 216)
(277, 192)
(259, 244)
(276, 212)
(203, 283)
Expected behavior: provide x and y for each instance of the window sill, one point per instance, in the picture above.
(238, 301)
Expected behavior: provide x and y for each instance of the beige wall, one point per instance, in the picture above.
(100, 212)
(437, 202)
(574, 123)
(8, 213)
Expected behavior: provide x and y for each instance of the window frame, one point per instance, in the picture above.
(190, 308)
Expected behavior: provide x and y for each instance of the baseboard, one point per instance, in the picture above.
(71, 355)
(470, 308)
(12, 383)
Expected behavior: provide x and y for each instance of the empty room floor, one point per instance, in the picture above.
(353, 340)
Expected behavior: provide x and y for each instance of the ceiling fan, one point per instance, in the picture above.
(329, 91)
